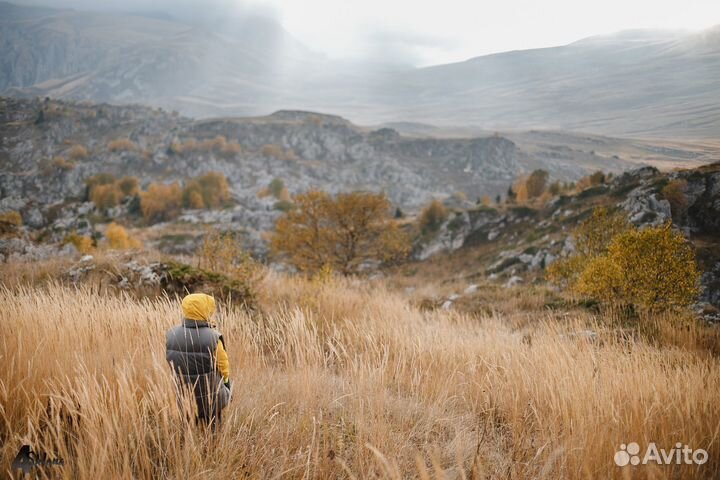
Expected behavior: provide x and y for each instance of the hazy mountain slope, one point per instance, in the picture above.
(629, 84)
(109, 57)
(638, 83)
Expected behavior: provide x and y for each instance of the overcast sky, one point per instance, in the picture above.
(439, 31)
(424, 32)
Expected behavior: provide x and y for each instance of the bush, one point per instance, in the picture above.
(674, 192)
(276, 187)
(99, 179)
(106, 192)
(223, 253)
(276, 151)
(77, 152)
(106, 196)
(592, 180)
(231, 148)
(161, 202)
(176, 148)
(83, 243)
(210, 190)
(520, 191)
(344, 233)
(219, 144)
(653, 269)
(62, 164)
(129, 185)
(432, 217)
(122, 145)
(529, 187)
(536, 183)
(592, 239)
(119, 239)
(594, 235)
(10, 222)
(192, 197)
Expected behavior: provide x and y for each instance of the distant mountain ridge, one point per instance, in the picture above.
(636, 83)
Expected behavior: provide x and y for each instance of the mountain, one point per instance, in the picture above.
(131, 58)
(636, 84)
(632, 83)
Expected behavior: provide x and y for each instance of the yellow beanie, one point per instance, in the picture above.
(198, 306)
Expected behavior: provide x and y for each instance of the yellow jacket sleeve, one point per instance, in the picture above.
(223, 362)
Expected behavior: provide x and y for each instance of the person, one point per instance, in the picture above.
(196, 352)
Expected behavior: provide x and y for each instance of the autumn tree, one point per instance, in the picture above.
(529, 187)
(653, 268)
(344, 232)
(592, 180)
(161, 202)
(432, 216)
(105, 196)
(614, 262)
(210, 190)
(99, 179)
(520, 190)
(536, 183)
(594, 235)
(83, 243)
(129, 185)
(119, 239)
(105, 191)
(592, 239)
(222, 252)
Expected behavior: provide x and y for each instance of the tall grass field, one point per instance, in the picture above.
(351, 380)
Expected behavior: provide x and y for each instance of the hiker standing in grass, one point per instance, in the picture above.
(196, 353)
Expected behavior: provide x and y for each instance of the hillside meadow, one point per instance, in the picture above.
(342, 378)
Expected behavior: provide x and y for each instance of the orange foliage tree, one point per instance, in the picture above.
(653, 268)
(119, 239)
(344, 233)
(161, 202)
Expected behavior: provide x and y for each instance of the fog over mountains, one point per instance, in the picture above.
(636, 83)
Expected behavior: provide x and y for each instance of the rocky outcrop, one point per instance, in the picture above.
(306, 150)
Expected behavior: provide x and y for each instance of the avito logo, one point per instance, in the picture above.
(629, 454)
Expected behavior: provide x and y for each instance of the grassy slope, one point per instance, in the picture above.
(347, 379)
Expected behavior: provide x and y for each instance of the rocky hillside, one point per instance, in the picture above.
(512, 244)
(50, 147)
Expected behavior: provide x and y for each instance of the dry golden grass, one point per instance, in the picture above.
(344, 379)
